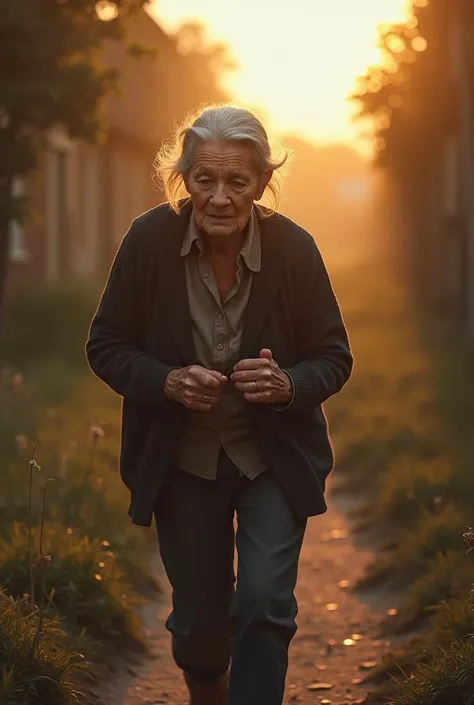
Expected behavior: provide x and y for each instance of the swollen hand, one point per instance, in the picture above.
(262, 381)
(195, 387)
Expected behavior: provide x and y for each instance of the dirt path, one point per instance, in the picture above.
(329, 614)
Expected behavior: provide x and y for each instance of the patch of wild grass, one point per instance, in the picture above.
(403, 436)
(83, 583)
(82, 576)
(432, 534)
(81, 455)
(453, 619)
(448, 679)
(35, 671)
(63, 309)
(447, 580)
(412, 485)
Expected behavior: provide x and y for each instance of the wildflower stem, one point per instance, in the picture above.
(44, 560)
(30, 557)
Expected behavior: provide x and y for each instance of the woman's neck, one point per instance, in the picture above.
(227, 247)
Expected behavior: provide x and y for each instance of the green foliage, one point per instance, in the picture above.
(54, 319)
(447, 680)
(453, 619)
(409, 95)
(84, 584)
(431, 535)
(406, 436)
(403, 493)
(35, 671)
(57, 78)
(51, 75)
(99, 561)
(448, 577)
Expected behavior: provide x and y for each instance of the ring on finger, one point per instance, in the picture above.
(206, 399)
(255, 387)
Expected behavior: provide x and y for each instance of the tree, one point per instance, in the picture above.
(50, 75)
(418, 101)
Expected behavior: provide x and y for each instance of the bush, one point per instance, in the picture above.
(35, 670)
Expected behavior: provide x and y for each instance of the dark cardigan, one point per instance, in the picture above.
(142, 330)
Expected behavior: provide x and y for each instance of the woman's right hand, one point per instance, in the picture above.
(194, 387)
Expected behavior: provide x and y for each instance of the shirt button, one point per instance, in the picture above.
(221, 316)
(205, 275)
(219, 346)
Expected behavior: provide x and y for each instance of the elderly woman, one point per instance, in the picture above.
(220, 329)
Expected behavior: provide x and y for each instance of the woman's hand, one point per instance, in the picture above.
(262, 381)
(194, 387)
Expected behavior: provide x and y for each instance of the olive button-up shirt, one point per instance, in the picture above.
(217, 329)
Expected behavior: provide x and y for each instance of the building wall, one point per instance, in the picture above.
(82, 201)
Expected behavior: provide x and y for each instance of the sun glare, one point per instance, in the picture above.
(106, 11)
(298, 61)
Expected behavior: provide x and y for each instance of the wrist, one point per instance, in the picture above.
(289, 391)
(170, 384)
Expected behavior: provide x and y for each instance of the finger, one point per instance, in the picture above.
(252, 364)
(200, 404)
(197, 406)
(261, 374)
(204, 378)
(258, 398)
(253, 387)
(199, 392)
(266, 354)
(208, 399)
(218, 375)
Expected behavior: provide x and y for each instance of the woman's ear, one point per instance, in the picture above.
(263, 184)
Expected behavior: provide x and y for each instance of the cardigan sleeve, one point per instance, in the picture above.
(325, 356)
(113, 347)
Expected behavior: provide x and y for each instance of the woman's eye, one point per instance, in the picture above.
(238, 184)
(204, 181)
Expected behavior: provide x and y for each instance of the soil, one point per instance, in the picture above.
(331, 611)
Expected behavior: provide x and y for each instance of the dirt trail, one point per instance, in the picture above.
(329, 613)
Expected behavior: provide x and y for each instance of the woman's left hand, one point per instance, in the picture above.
(262, 381)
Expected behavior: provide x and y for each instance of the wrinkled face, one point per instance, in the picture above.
(223, 184)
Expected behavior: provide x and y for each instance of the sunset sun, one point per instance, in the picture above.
(297, 61)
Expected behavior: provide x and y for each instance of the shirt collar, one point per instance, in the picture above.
(251, 251)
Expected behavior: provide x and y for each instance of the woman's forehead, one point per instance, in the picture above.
(228, 155)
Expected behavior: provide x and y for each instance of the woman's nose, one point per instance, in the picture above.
(220, 196)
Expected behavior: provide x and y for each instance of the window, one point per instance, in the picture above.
(17, 245)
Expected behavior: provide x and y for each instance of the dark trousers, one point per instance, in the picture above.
(216, 620)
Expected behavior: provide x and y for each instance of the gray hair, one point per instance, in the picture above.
(215, 122)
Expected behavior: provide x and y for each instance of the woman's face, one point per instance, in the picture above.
(223, 184)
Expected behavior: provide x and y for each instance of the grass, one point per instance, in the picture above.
(84, 583)
(403, 436)
(36, 671)
(89, 565)
(402, 431)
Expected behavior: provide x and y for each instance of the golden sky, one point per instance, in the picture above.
(298, 58)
